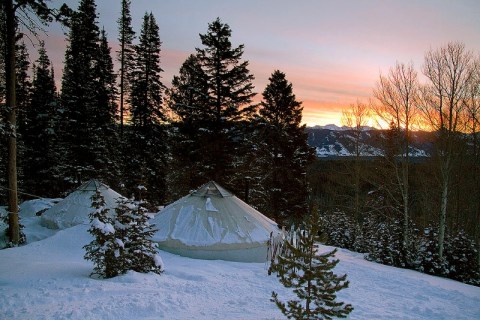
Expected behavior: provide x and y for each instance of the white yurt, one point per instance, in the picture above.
(76, 207)
(212, 223)
(36, 207)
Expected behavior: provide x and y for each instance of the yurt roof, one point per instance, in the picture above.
(76, 207)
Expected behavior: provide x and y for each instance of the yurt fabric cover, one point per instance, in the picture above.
(76, 207)
(212, 223)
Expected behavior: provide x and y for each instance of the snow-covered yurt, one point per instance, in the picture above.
(211, 223)
(76, 207)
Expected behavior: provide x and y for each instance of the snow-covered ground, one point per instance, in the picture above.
(49, 279)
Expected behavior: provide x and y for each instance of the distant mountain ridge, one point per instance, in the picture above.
(332, 141)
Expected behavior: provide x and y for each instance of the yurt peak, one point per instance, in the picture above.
(93, 185)
(210, 189)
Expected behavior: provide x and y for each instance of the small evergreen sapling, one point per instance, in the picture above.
(104, 248)
(139, 252)
(123, 242)
(310, 276)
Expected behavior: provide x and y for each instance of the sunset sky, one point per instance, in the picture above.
(332, 51)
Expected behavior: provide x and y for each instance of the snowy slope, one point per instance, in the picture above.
(48, 279)
(332, 141)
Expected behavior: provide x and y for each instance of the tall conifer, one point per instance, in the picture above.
(230, 93)
(283, 154)
(40, 134)
(88, 97)
(107, 144)
(77, 98)
(187, 99)
(147, 145)
(125, 56)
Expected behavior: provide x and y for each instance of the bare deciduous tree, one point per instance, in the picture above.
(472, 106)
(356, 117)
(397, 94)
(450, 71)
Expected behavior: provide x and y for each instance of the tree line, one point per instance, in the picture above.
(426, 215)
(127, 128)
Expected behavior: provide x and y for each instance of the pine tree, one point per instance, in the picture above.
(147, 141)
(3, 48)
(125, 56)
(106, 147)
(230, 93)
(23, 91)
(139, 252)
(3, 114)
(104, 249)
(77, 96)
(283, 154)
(310, 276)
(40, 131)
(23, 85)
(88, 95)
(11, 8)
(187, 100)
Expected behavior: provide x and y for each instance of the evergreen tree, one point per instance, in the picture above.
(147, 147)
(310, 276)
(229, 88)
(139, 252)
(428, 259)
(3, 48)
(88, 95)
(23, 85)
(125, 56)
(187, 100)
(106, 147)
(342, 230)
(11, 8)
(283, 154)
(3, 115)
(40, 131)
(23, 90)
(104, 249)
(461, 255)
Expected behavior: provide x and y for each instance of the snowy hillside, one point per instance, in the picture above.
(48, 279)
(333, 141)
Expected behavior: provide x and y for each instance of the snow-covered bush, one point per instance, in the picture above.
(427, 258)
(341, 230)
(139, 253)
(123, 242)
(383, 241)
(104, 250)
(462, 258)
(5, 230)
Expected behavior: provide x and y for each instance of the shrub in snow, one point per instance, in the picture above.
(138, 253)
(383, 241)
(428, 260)
(341, 230)
(461, 255)
(122, 243)
(104, 249)
(5, 242)
(310, 276)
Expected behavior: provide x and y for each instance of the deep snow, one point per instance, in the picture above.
(48, 279)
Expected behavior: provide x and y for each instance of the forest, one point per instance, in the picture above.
(119, 123)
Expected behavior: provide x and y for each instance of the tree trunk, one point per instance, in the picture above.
(14, 228)
(443, 217)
